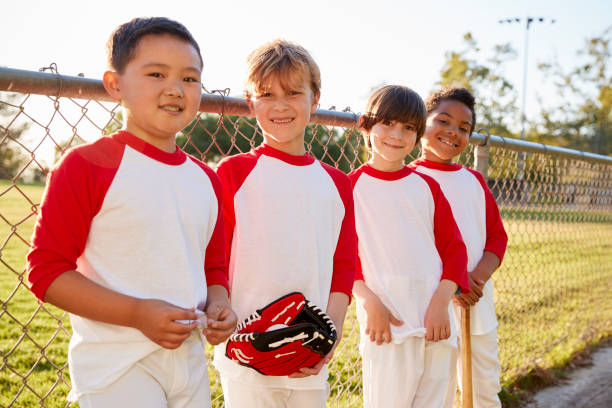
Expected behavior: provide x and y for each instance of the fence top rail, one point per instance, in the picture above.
(53, 84)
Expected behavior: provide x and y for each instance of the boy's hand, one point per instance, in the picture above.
(379, 320)
(336, 310)
(308, 371)
(159, 321)
(221, 322)
(466, 300)
(437, 323)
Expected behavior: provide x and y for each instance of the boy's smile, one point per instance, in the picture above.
(159, 89)
(391, 142)
(447, 132)
(282, 114)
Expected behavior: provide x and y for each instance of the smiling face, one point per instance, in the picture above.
(391, 142)
(447, 131)
(159, 89)
(282, 113)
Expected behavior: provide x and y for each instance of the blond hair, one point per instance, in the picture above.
(289, 62)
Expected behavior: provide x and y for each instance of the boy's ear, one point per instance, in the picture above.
(249, 103)
(315, 103)
(110, 79)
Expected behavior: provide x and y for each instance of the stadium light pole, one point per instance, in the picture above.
(527, 21)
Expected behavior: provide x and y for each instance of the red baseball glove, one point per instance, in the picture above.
(284, 336)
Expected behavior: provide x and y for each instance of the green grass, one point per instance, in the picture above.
(551, 294)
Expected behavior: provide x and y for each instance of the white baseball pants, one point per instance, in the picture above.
(411, 374)
(485, 372)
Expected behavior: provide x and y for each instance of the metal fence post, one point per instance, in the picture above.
(481, 155)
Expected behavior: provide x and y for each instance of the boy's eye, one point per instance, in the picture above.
(191, 79)
(295, 92)
(464, 130)
(386, 122)
(155, 75)
(409, 127)
(264, 95)
(443, 121)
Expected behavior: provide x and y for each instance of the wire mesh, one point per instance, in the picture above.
(551, 292)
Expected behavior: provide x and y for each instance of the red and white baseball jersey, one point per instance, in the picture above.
(408, 242)
(480, 224)
(290, 226)
(137, 220)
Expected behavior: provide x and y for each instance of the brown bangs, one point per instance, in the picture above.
(395, 103)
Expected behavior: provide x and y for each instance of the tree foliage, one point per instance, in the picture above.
(582, 116)
(209, 139)
(495, 95)
(11, 156)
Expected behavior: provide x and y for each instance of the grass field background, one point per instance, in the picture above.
(552, 299)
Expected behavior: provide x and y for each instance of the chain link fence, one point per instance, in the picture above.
(551, 293)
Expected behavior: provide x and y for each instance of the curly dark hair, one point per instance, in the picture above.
(123, 41)
(452, 93)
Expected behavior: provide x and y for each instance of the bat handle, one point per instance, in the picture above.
(466, 360)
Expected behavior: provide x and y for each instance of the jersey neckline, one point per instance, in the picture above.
(302, 160)
(386, 175)
(175, 158)
(437, 166)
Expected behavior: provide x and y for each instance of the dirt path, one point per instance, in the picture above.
(588, 387)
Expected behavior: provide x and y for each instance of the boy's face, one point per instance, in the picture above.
(282, 114)
(391, 142)
(160, 89)
(447, 131)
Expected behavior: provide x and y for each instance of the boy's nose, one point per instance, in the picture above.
(174, 89)
(280, 103)
(396, 133)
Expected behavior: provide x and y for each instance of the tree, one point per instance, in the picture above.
(209, 139)
(11, 156)
(495, 95)
(583, 117)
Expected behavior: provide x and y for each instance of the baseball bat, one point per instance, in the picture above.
(466, 360)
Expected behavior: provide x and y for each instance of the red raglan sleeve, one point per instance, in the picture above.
(73, 196)
(215, 261)
(497, 239)
(449, 242)
(346, 250)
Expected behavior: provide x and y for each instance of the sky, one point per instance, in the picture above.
(358, 44)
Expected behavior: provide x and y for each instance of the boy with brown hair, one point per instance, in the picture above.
(411, 259)
(289, 223)
(129, 236)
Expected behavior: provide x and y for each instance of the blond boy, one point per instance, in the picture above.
(289, 223)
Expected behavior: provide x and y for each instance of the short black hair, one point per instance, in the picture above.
(452, 93)
(122, 44)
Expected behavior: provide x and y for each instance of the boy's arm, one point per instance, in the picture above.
(437, 323)
(155, 318)
(497, 239)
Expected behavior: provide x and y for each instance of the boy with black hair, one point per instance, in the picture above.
(129, 236)
(450, 121)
